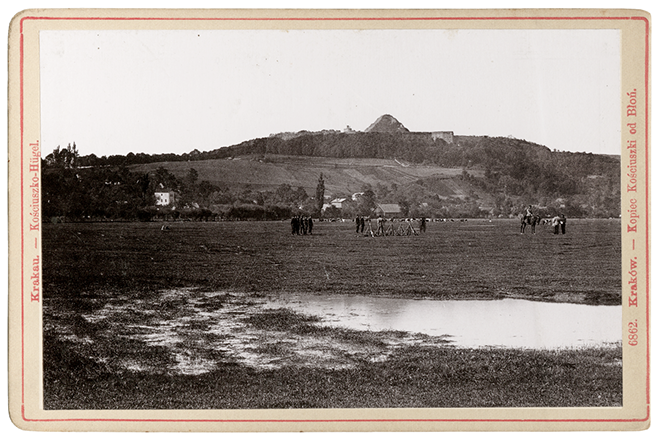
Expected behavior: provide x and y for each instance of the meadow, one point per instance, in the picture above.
(137, 317)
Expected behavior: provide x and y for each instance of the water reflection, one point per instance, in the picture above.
(507, 322)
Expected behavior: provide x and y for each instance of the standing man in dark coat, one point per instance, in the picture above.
(296, 225)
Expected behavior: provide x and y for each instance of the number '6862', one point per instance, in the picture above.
(633, 336)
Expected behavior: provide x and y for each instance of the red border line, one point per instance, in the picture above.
(647, 128)
(334, 420)
(323, 19)
(22, 116)
(327, 18)
(22, 110)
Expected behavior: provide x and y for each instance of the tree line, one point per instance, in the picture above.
(72, 192)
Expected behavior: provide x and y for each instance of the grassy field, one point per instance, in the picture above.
(136, 317)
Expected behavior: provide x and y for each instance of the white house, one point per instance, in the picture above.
(338, 202)
(165, 197)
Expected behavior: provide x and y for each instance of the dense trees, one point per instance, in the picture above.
(103, 192)
(63, 158)
(75, 193)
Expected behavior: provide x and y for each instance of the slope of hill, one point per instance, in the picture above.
(341, 176)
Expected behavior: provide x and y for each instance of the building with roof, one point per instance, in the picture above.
(338, 202)
(388, 210)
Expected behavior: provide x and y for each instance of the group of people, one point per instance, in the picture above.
(360, 224)
(558, 222)
(381, 226)
(301, 225)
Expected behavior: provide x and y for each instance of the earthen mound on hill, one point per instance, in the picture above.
(387, 124)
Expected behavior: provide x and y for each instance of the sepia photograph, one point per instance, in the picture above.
(381, 211)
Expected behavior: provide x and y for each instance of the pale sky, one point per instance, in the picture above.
(115, 92)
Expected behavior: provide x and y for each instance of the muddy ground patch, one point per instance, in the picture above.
(191, 332)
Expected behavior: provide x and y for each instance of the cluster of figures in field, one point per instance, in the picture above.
(530, 219)
(381, 226)
(301, 225)
(559, 222)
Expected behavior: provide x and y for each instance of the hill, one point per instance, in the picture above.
(425, 173)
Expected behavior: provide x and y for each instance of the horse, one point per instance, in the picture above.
(529, 220)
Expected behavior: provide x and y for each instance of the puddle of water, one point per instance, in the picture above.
(197, 335)
(505, 323)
